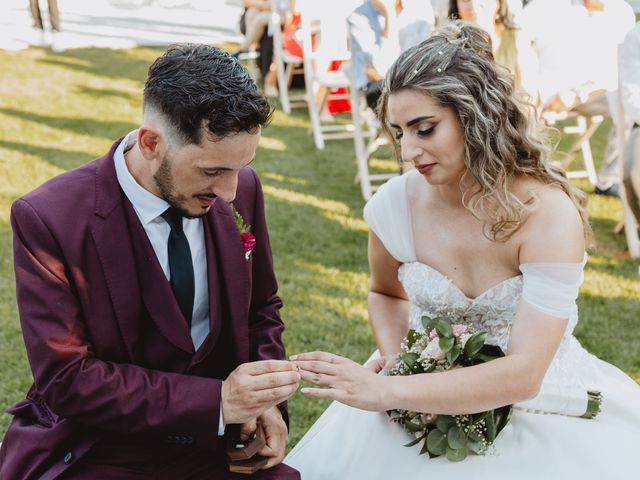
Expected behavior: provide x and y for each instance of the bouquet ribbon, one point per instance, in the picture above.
(571, 400)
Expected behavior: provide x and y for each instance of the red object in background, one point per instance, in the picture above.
(338, 106)
(292, 46)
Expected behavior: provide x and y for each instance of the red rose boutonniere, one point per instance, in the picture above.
(248, 240)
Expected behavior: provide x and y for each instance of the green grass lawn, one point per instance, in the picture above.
(58, 111)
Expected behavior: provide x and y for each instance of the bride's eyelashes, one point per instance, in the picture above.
(421, 132)
(424, 132)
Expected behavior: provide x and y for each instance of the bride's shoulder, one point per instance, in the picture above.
(553, 228)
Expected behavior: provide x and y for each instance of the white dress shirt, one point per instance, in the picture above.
(148, 207)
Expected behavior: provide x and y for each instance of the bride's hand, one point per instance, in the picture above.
(386, 362)
(344, 380)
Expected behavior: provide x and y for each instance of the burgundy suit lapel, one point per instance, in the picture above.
(234, 281)
(156, 289)
(114, 246)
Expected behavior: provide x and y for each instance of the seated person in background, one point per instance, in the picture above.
(497, 18)
(380, 31)
(256, 33)
(630, 82)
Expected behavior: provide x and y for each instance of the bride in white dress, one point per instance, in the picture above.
(484, 229)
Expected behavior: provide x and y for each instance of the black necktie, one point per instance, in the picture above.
(180, 265)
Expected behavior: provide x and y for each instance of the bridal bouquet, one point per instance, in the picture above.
(445, 346)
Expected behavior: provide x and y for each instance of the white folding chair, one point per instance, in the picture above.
(367, 139)
(629, 221)
(327, 24)
(286, 64)
(584, 128)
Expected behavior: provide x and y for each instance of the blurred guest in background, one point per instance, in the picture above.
(630, 94)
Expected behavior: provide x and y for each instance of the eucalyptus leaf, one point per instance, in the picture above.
(436, 442)
(424, 449)
(475, 447)
(453, 354)
(425, 321)
(444, 422)
(417, 440)
(412, 426)
(474, 344)
(412, 336)
(456, 437)
(410, 359)
(491, 428)
(446, 344)
(457, 455)
(444, 329)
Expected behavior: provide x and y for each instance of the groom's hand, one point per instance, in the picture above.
(275, 433)
(253, 388)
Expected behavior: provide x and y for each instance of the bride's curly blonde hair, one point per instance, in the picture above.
(503, 137)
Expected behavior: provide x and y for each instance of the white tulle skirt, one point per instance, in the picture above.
(350, 444)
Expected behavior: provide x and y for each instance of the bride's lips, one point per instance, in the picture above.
(425, 168)
(206, 201)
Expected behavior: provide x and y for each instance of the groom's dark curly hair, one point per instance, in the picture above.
(198, 87)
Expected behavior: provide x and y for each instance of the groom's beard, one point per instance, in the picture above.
(163, 179)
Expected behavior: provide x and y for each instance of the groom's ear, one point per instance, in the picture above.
(151, 142)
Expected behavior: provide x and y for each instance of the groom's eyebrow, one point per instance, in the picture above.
(413, 121)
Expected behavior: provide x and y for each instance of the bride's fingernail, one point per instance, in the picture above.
(304, 390)
(293, 357)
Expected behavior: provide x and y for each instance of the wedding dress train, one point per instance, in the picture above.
(350, 444)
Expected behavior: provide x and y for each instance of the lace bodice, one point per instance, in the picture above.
(433, 294)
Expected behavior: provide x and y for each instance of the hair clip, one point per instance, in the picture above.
(439, 52)
(439, 70)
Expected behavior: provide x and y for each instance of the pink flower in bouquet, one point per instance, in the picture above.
(433, 350)
(433, 334)
(459, 329)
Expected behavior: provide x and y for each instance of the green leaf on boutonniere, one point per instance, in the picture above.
(436, 442)
(476, 447)
(474, 344)
(424, 449)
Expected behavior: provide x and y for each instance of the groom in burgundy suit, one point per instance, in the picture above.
(148, 301)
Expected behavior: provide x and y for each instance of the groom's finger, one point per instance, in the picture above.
(268, 381)
(267, 366)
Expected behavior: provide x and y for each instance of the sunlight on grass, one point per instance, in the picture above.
(276, 177)
(305, 199)
(271, 143)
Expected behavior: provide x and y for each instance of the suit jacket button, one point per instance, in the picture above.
(68, 458)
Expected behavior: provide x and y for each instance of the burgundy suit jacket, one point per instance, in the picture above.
(108, 346)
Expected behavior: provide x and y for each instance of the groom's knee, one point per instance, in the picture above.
(279, 472)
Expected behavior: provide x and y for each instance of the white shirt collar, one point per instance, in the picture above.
(148, 206)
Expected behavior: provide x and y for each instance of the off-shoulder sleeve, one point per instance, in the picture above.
(552, 287)
(387, 214)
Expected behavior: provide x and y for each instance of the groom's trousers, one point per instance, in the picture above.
(164, 463)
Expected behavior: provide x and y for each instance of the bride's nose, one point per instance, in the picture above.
(410, 151)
